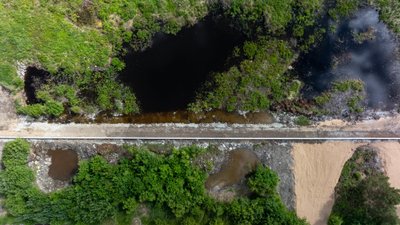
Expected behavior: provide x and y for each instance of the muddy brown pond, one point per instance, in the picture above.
(239, 164)
(64, 164)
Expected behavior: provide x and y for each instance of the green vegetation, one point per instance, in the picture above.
(132, 21)
(363, 194)
(169, 186)
(302, 121)
(305, 27)
(256, 16)
(389, 11)
(255, 84)
(347, 94)
(76, 41)
(33, 34)
(344, 8)
(81, 43)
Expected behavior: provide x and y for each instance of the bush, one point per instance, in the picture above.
(335, 220)
(15, 153)
(54, 109)
(248, 15)
(263, 182)
(363, 194)
(302, 121)
(35, 110)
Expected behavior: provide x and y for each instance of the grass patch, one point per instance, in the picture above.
(33, 34)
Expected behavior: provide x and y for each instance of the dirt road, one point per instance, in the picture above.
(368, 129)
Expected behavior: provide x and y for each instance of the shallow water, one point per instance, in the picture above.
(361, 48)
(239, 164)
(64, 164)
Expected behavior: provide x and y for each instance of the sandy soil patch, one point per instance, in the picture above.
(332, 123)
(389, 123)
(317, 168)
(389, 152)
(7, 109)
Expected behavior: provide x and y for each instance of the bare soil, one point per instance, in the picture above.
(317, 168)
(7, 109)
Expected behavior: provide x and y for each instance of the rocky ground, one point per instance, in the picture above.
(7, 109)
(273, 154)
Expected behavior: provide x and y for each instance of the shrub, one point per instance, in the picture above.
(54, 109)
(15, 153)
(263, 182)
(335, 220)
(35, 110)
(302, 121)
(363, 194)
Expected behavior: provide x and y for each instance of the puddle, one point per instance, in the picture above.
(234, 170)
(64, 164)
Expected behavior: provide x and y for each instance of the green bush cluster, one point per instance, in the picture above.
(169, 185)
(363, 194)
(53, 101)
(343, 8)
(350, 91)
(255, 84)
(389, 11)
(255, 16)
(304, 26)
(302, 121)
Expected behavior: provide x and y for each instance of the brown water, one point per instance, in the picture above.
(239, 164)
(64, 164)
(180, 117)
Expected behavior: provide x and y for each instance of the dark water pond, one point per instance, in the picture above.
(34, 79)
(64, 164)
(361, 48)
(239, 164)
(166, 76)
